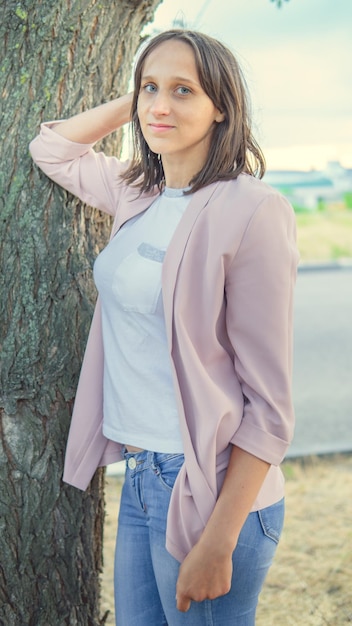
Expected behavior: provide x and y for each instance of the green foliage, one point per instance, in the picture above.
(300, 209)
(321, 204)
(348, 199)
(285, 190)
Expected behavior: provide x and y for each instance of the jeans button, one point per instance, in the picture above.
(132, 463)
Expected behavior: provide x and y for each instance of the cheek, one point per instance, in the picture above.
(140, 107)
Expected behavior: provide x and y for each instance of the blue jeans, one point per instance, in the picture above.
(146, 574)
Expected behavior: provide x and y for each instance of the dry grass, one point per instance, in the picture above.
(310, 582)
(325, 235)
(311, 579)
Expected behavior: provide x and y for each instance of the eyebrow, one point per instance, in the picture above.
(177, 79)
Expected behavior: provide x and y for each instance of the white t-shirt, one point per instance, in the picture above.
(139, 401)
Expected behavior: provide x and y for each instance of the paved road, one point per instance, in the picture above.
(322, 379)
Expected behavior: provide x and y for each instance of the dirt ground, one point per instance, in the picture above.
(310, 583)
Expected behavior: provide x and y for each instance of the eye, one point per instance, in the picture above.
(149, 88)
(183, 91)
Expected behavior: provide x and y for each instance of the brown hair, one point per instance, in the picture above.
(233, 149)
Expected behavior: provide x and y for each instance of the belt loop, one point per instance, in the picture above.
(151, 460)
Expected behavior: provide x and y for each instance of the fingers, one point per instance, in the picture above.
(183, 603)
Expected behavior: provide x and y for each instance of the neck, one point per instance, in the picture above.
(176, 182)
(177, 175)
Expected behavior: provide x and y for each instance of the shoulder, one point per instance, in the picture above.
(248, 188)
(238, 201)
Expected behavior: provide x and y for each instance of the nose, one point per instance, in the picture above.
(160, 104)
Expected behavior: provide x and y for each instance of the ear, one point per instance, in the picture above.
(219, 117)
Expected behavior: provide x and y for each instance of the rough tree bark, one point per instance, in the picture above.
(58, 58)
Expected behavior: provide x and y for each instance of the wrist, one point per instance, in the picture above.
(220, 540)
(123, 106)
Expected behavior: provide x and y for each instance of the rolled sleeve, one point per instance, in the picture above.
(89, 175)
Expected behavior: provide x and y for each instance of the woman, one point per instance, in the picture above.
(187, 371)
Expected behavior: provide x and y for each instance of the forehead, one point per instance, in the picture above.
(174, 55)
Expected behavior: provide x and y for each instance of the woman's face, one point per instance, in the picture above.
(176, 115)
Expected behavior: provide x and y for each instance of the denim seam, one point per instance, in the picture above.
(209, 613)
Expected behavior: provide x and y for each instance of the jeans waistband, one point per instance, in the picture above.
(148, 458)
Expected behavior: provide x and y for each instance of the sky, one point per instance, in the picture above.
(297, 61)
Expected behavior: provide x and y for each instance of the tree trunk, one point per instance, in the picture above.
(58, 58)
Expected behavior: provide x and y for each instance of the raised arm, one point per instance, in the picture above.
(93, 125)
(63, 150)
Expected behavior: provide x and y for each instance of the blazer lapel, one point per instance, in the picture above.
(176, 250)
(131, 206)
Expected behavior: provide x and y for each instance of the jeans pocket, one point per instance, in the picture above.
(272, 520)
(167, 470)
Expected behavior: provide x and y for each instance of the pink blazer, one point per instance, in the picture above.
(227, 284)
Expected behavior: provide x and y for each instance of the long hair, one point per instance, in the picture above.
(233, 148)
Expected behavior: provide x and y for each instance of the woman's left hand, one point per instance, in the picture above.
(205, 573)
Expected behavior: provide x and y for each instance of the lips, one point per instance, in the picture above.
(160, 127)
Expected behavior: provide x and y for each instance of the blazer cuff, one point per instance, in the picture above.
(260, 443)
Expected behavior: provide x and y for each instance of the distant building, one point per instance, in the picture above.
(309, 189)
